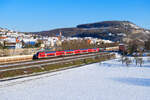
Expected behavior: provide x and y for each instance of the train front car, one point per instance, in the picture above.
(35, 56)
(41, 55)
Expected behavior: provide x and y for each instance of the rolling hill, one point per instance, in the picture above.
(111, 30)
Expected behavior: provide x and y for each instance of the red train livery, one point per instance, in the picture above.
(44, 54)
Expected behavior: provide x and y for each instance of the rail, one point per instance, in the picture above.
(62, 60)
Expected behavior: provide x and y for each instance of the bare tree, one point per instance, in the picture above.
(140, 61)
(122, 59)
(136, 59)
(127, 61)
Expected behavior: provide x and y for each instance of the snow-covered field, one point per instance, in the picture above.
(107, 81)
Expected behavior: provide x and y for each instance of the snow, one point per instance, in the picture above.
(134, 26)
(109, 80)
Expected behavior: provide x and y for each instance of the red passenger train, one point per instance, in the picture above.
(45, 54)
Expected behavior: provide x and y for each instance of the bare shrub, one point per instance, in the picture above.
(127, 61)
(140, 61)
(122, 59)
(136, 60)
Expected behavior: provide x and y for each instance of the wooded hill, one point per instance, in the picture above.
(111, 30)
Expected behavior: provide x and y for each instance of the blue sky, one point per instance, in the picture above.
(38, 15)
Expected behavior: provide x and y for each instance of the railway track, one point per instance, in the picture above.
(44, 64)
(45, 60)
(7, 72)
(41, 63)
(39, 60)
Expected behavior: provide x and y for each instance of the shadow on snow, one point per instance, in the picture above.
(134, 81)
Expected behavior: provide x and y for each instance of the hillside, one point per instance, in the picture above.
(115, 24)
(112, 30)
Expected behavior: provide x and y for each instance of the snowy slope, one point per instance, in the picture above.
(107, 81)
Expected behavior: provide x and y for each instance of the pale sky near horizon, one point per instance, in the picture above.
(39, 15)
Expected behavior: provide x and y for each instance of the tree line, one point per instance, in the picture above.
(84, 44)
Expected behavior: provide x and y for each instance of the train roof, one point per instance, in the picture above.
(69, 50)
(63, 50)
(50, 51)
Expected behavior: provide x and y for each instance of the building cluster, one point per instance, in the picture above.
(14, 40)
